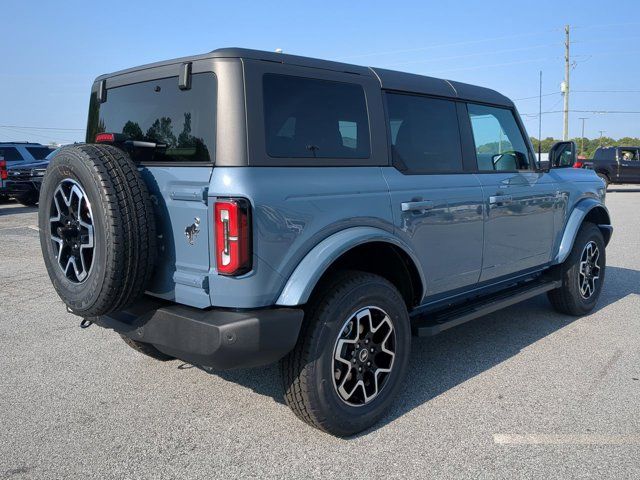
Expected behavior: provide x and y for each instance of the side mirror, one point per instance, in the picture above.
(562, 154)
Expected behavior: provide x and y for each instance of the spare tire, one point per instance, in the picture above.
(97, 229)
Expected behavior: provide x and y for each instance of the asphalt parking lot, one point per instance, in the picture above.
(524, 392)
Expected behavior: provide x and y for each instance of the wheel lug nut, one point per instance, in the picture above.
(368, 364)
(353, 360)
(372, 350)
(366, 341)
(360, 369)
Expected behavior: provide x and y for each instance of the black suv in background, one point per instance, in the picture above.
(616, 164)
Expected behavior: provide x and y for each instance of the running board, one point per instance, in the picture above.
(433, 323)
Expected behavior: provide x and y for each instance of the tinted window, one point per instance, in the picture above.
(499, 142)
(39, 153)
(310, 118)
(10, 154)
(182, 121)
(424, 134)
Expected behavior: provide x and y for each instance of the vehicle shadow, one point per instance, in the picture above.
(622, 190)
(11, 209)
(440, 363)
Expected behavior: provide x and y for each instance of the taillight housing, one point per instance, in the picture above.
(3, 169)
(578, 164)
(232, 224)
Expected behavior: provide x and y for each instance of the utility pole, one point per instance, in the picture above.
(601, 132)
(582, 137)
(540, 121)
(565, 85)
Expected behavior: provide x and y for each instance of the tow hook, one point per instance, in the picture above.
(86, 323)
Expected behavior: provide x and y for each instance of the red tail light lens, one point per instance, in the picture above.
(105, 138)
(3, 169)
(578, 164)
(233, 236)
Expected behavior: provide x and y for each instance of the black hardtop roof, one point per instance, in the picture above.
(389, 79)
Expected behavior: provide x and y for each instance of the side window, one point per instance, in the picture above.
(424, 134)
(312, 118)
(10, 154)
(500, 145)
(629, 154)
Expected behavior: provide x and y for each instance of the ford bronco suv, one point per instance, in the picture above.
(238, 208)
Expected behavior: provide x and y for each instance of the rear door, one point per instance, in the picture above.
(436, 202)
(519, 202)
(182, 123)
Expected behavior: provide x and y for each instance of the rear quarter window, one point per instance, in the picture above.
(181, 121)
(313, 118)
(10, 154)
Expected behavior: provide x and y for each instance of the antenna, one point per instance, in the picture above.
(540, 122)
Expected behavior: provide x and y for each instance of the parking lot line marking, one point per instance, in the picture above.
(565, 439)
(33, 227)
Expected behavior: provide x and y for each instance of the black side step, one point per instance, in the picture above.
(433, 323)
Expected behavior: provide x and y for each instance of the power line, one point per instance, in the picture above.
(538, 96)
(24, 127)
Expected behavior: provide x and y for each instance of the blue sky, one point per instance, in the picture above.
(51, 51)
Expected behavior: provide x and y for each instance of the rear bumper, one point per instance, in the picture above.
(221, 339)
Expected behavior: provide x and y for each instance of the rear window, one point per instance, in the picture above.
(182, 121)
(311, 118)
(10, 154)
(39, 153)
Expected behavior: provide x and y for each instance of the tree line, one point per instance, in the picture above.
(590, 145)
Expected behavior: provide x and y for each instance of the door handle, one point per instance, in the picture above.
(500, 199)
(413, 206)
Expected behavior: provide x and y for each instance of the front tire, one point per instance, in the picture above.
(605, 179)
(583, 273)
(351, 356)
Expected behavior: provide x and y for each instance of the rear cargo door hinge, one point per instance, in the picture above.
(193, 194)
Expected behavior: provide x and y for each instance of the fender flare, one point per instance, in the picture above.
(579, 213)
(308, 272)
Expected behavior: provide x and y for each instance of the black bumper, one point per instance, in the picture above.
(22, 187)
(221, 339)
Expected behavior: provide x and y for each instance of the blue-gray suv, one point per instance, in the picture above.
(240, 207)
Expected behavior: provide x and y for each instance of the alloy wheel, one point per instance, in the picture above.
(71, 230)
(589, 271)
(363, 356)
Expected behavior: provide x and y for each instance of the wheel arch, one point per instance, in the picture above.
(587, 210)
(361, 248)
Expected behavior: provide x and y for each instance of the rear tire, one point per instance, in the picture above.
(351, 325)
(97, 229)
(146, 349)
(581, 281)
(28, 199)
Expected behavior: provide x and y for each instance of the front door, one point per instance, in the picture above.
(437, 206)
(629, 164)
(518, 201)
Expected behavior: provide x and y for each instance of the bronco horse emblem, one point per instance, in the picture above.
(192, 231)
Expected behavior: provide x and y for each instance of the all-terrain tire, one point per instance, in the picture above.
(568, 299)
(121, 214)
(146, 349)
(308, 371)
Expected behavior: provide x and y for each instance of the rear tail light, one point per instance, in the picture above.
(105, 138)
(3, 169)
(233, 236)
(578, 164)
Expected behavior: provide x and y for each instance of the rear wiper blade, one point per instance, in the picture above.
(142, 144)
